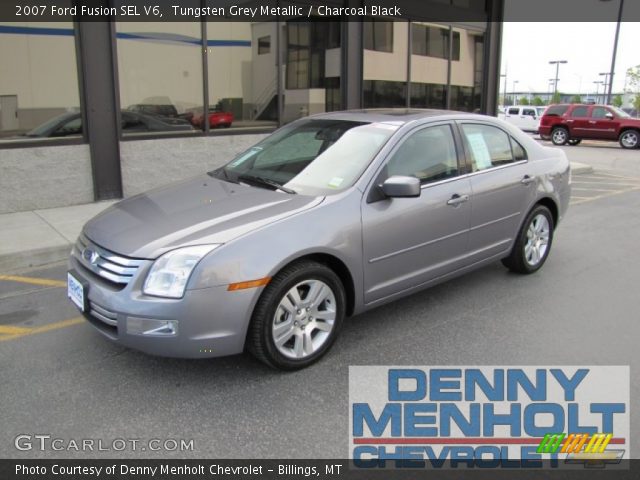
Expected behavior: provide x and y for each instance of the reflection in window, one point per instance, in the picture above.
(39, 81)
(383, 94)
(264, 45)
(160, 69)
(378, 36)
(487, 146)
(428, 95)
(434, 42)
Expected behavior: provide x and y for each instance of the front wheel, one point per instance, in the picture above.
(629, 139)
(298, 316)
(559, 136)
(533, 242)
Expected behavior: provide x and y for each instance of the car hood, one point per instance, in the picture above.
(201, 210)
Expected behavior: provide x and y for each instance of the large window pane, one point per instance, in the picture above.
(38, 81)
(467, 72)
(242, 74)
(160, 71)
(312, 68)
(429, 65)
(385, 64)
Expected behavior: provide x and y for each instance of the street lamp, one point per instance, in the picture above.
(557, 64)
(615, 50)
(514, 91)
(504, 96)
(598, 83)
(606, 82)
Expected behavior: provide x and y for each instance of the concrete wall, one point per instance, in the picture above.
(45, 177)
(151, 163)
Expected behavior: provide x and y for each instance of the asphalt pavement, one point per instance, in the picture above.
(60, 378)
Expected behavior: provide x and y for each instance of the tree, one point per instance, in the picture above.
(523, 101)
(557, 97)
(617, 101)
(576, 99)
(537, 101)
(636, 103)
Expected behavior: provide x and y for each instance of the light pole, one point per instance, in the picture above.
(607, 81)
(514, 91)
(598, 83)
(549, 90)
(504, 95)
(615, 51)
(557, 64)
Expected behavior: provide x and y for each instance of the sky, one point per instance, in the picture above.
(527, 49)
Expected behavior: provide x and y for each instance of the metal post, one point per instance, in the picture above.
(615, 52)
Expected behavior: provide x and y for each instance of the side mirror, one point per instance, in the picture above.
(609, 115)
(401, 186)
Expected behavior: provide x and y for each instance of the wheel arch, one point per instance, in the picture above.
(551, 205)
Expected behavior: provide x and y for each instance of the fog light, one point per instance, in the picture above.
(151, 327)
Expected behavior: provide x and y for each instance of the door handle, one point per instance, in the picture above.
(457, 199)
(526, 180)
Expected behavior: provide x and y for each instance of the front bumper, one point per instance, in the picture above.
(211, 322)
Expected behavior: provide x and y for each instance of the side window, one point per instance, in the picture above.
(72, 127)
(599, 112)
(579, 112)
(487, 146)
(519, 153)
(529, 111)
(428, 154)
(514, 111)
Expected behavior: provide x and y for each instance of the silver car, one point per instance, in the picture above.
(328, 217)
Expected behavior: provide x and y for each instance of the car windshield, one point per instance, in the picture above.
(311, 157)
(619, 112)
(44, 130)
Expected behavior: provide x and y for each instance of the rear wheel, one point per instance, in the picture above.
(559, 136)
(298, 316)
(574, 141)
(533, 242)
(630, 139)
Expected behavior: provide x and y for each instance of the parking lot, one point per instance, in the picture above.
(61, 378)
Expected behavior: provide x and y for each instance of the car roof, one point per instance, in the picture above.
(390, 115)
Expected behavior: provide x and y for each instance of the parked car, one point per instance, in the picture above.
(526, 118)
(218, 118)
(570, 124)
(160, 110)
(69, 124)
(328, 217)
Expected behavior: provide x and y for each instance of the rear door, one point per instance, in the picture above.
(529, 119)
(502, 186)
(512, 116)
(578, 122)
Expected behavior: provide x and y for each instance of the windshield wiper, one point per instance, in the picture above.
(261, 181)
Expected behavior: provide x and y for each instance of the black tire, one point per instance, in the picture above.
(260, 341)
(629, 139)
(574, 141)
(559, 136)
(517, 259)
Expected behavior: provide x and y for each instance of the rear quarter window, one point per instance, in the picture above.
(556, 110)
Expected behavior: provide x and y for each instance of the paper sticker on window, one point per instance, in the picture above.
(480, 151)
(250, 153)
(336, 182)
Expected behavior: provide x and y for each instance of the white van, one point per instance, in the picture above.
(524, 117)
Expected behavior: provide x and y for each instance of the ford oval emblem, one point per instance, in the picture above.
(90, 256)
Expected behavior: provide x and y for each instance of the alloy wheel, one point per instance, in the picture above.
(537, 240)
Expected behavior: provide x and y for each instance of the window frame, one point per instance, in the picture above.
(467, 154)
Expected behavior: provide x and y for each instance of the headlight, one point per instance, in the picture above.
(170, 273)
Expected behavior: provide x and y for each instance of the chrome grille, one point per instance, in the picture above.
(110, 266)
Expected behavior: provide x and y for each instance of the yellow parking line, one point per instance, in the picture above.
(44, 328)
(11, 330)
(34, 281)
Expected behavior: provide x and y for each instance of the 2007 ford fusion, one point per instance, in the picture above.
(328, 217)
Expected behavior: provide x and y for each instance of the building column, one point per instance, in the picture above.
(352, 61)
(492, 58)
(101, 105)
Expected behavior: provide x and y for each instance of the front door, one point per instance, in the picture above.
(9, 113)
(601, 127)
(409, 241)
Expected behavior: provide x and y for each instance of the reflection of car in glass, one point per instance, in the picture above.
(328, 217)
(69, 124)
(217, 117)
(570, 124)
(160, 110)
(526, 118)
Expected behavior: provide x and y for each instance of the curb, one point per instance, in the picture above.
(580, 168)
(39, 257)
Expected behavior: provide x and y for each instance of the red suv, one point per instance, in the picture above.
(569, 124)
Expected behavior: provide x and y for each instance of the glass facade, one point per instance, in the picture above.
(39, 94)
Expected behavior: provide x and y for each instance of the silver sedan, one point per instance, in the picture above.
(328, 217)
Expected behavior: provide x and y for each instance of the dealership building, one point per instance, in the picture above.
(101, 110)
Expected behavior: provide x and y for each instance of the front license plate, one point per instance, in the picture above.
(75, 291)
